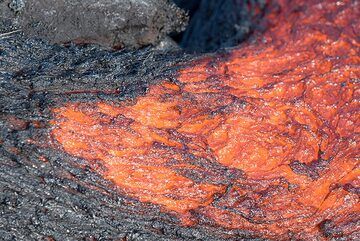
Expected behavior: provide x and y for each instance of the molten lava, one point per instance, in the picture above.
(265, 139)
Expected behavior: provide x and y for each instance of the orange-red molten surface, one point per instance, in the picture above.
(285, 111)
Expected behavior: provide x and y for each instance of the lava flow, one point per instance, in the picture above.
(265, 139)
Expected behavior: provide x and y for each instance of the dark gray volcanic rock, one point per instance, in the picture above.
(114, 23)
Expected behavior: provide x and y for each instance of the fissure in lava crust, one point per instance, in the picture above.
(263, 139)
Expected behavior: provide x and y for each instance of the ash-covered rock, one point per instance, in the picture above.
(111, 23)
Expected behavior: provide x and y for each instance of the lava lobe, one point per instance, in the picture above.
(264, 139)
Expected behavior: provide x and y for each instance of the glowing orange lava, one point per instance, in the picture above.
(285, 111)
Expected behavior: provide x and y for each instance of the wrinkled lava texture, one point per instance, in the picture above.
(264, 138)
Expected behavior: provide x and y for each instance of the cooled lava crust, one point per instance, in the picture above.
(263, 139)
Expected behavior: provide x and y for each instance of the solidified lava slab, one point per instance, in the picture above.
(111, 23)
(263, 139)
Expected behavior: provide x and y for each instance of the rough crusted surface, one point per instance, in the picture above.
(264, 139)
(47, 194)
(290, 103)
(112, 23)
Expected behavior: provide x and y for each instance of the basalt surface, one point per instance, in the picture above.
(257, 142)
(110, 23)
